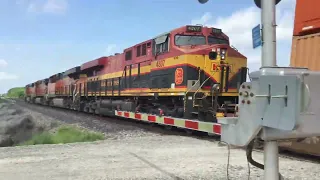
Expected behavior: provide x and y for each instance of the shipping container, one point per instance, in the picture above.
(307, 17)
(305, 52)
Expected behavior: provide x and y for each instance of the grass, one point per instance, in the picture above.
(2, 100)
(65, 134)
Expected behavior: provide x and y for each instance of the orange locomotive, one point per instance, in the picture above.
(30, 92)
(191, 72)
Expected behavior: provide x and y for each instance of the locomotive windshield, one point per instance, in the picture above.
(215, 40)
(183, 40)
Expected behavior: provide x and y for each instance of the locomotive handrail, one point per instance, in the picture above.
(124, 72)
(124, 69)
(185, 94)
(194, 95)
(194, 83)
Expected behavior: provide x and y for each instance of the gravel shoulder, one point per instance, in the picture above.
(157, 157)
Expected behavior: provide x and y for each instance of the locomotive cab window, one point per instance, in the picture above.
(128, 55)
(215, 40)
(138, 50)
(161, 44)
(188, 40)
(144, 50)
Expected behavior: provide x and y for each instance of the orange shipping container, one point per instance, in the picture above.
(307, 17)
(305, 52)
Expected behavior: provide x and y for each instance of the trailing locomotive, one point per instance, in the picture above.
(191, 73)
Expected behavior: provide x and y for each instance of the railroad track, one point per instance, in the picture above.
(119, 123)
(295, 156)
(300, 157)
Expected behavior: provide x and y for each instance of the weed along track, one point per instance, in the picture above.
(20, 126)
(64, 134)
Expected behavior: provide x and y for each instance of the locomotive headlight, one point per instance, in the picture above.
(223, 57)
(223, 54)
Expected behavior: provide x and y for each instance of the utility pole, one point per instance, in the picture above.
(268, 20)
(268, 59)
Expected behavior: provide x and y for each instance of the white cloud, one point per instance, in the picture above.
(7, 76)
(33, 7)
(111, 49)
(49, 6)
(3, 63)
(203, 20)
(238, 26)
(20, 2)
(55, 6)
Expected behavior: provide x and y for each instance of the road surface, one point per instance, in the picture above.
(155, 157)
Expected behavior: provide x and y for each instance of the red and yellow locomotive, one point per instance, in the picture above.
(191, 72)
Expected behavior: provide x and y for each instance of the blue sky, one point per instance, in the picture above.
(39, 38)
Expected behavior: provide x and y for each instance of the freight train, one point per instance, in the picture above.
(186, 77)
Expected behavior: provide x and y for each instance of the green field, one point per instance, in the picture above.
(17, 92)
(65, 134)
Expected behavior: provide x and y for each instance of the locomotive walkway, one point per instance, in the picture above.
(154, 157)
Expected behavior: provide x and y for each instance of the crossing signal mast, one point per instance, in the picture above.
(279, 103)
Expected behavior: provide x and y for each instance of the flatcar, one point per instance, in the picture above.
(190, 72)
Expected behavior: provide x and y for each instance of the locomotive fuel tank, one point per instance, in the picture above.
(58, 102)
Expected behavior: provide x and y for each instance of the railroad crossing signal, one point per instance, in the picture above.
(257, 2)
(203, 1)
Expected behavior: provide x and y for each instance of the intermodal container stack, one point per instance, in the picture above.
(306, 35)
(305, 52)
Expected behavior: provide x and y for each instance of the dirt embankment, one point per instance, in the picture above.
(18, 125)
